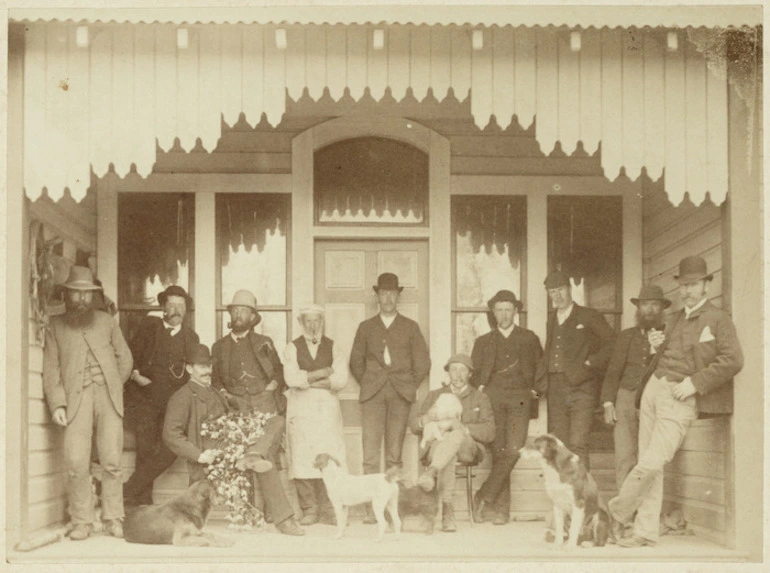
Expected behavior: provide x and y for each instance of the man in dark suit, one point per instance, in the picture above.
(578, 347)
(506, 358)
(629, 360)
(159, 348)
(247, 371)
(390, 359)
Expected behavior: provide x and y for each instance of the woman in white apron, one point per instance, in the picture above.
(314, 370)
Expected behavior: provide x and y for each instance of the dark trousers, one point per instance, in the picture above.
(268, 446)
(571, 413)
(386, 413)
(511, 411)
(145, 418)
(313, 499)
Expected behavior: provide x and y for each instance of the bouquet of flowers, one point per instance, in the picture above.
(234, 432)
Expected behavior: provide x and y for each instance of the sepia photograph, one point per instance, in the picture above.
(447, 283)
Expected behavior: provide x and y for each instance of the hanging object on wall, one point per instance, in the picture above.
(46, 271)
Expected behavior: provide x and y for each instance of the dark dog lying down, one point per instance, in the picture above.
(177, 522)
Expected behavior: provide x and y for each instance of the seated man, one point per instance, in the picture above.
(196, 402)
(463, 440)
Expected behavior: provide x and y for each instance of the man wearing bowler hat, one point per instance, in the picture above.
(159, 348)
(464, 439)
(248, 373)
(390, 359)
(85, 364)
(577, 349)
(506, 358)
(695, 360)
(188, 408)
(629, 360)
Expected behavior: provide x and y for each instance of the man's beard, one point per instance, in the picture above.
(79, 315)
(241, 327)
(649, 321)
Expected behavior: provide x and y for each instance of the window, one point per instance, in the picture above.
(156, 249)
(253, 254)
(585, 240)
(489, 250)
(371, 180)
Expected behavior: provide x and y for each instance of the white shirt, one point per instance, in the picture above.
(562, 315)
(237, 337)
(174, 329)
(388, 320)
(507, 332)
(689, 311)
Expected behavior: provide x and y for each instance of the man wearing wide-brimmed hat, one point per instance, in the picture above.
(629, 359)
(577, 350)
(463, 441)
(159, 348)
(315, 371)
(506, 359)
(86, 362)
(696, 358)
(248, 373)
(390, 359)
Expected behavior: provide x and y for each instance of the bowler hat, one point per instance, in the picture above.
(387, 281)
(504, 296)
(461, 359)
(81, 278)
(557, 279)
(692, 269)
(199, 355)
(174, 290)
(651, 292)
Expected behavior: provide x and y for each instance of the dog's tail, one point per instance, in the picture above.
(602, 527)
(393, 475)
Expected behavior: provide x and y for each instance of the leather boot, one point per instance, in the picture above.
(448, 517)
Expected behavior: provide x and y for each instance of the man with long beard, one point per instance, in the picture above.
(86, 363)
(159, 348)
(248, 373)
(629, 360)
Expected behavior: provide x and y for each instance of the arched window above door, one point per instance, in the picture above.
(370, 180)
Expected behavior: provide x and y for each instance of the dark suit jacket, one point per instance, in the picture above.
(142, 348)
(587, 336)
(410, 361)
(265, 354)
(529, 351)
(617, 365)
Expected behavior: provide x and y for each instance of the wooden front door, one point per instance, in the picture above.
(345, 272)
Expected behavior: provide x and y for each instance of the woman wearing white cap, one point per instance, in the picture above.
(314, 370)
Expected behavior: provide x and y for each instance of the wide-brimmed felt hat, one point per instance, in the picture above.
(81, 278)
(174, 290)
(556, 279)
(460, 359)
(387, 281)
(693, 269)
(504, 296)
(651, 292)
(199, 355)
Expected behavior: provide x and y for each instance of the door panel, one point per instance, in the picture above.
(345, 272)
